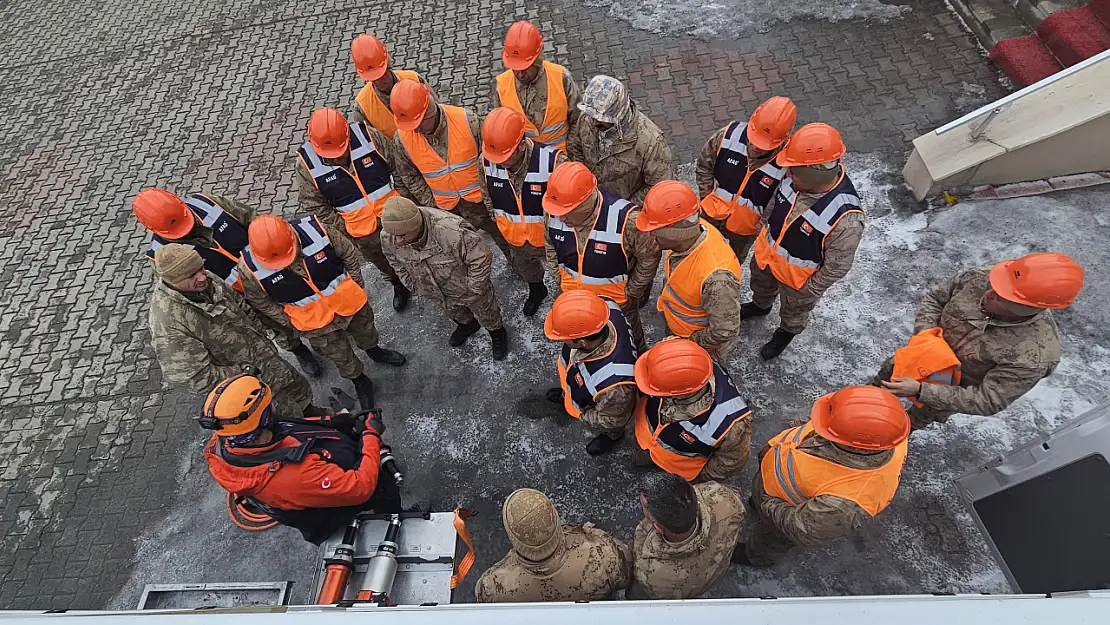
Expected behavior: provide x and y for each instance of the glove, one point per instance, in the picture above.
(373, 425)
(345, 421)
(251, 370)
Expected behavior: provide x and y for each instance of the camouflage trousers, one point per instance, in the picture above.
(795, 305)
(285, 337)
(484, 308)
(766, 545)
(527, 261)
(741, 244)
(336, 346)
(478, 216)
(371, 248)
(291, 391)
(920, 416)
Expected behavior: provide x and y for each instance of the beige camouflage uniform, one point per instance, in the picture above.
(589, 565)
(203, 338)
(614, 407)
(662, 570)
(731, 453)
(780, 526)
(533, 97)
(720, 298)
(999, 360)
(527, 260)
(840, 252)
(331, 340)
(741, 244)
(452, 263)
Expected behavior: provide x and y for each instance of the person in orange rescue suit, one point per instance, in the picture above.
(809, 234)
(216, 227)
(439, 157)
(737, 175)
(690, 419)
(984, 338)
(820, 481)
(701, 297)
(593, 243)
(313, 474)
(596, 367)
(302, 276)
(372, 63)
(543, 92)
(513, 177)
(345, 175)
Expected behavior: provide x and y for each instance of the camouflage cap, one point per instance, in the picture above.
(605, 99)
(175, 262)
(532, 523)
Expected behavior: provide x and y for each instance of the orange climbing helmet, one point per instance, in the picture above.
(570, 184)
(236, 405)
(666, 203)
(163, 213)
(813, 144)
(771, 123)
(272, 241)
(575, 314)
(673, 367)
(1045, 280)
(866, 417)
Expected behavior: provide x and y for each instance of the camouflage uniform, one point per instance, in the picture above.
(331, 340)
(663, 570)
(614, 407)
(780, 526)
(720, 297)
(452, 263)
(527, 260)
(840, 252)
(589, 565)
(202, 338)
(741, 244)
(999, 360)
(533, 97)
(731, 453)
(409, 175)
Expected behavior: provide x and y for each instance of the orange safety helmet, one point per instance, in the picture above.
(329, 133)
(1044, 280)
(813, 144)
(273, 242)
(570, 184)
(370, 57)
(236, 405)
(866, 417)
(523, 44)
(673, 367)
(575, 314)
(771, 123)
(410, 100)
(666, 203)
(163, 213)
(502, 132)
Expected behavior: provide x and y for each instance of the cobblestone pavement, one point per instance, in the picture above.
(103, 98)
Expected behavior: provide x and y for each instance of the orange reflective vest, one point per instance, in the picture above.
(229, 237)
(360, 196)
(796, 250)
(602, 267)
(376, 112)
(791, 474)
(739, 192)
(519, 212)
(583, 381)
(928, 358)
(684, 447)
(329, 290)
(457, 177)
(680, 301)
(553, 130)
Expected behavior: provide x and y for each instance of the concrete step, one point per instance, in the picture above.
(1025, 60)
(1074, 35)
(991, 21)
(1033, 12)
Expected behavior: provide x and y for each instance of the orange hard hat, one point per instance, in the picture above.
(502, 132)
(410, 100)
(273, 242)
(329, 133)
(1044, 280)
(813, 144)
(370, 57)
(523, 44)
(236, 405)
(673, 367)
(668, 202)
(163, 213)
(570, 184)
(771, 123)
(867, 417)
(575, 314)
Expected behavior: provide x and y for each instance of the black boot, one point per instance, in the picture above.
(602, 443)
(500, 340)
(401, 295)
(554, 395)
(462, 332)
(749, 310)
(778, 342)
(307, 360)
(386, 356)
(537, 292)
(365, 390)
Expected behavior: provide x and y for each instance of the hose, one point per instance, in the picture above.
(246, 519)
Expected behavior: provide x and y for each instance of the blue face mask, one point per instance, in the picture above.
(266, 422)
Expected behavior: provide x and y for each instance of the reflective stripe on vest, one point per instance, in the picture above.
(377, 113)
(927, 358)
(586, 379)
(553, 127)
(680, 301)
(519, 213)
(739, 194)
(457, 177)
(229, 237)
(684, 447)
(603, 267)
(311, 304)
(790, 474)
(795, 251)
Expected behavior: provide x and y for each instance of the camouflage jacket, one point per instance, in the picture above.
(408, 174)
(663, 570)
(641, 158)
(590, 565)
(731, 453)
(1000, 360)
(614, 406)
(451, 262)
(720, 298)
(516, 176)
(533, 98)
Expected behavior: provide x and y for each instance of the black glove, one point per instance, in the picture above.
(251, 370)
(372, 424)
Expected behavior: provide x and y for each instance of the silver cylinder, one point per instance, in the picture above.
(381, 571)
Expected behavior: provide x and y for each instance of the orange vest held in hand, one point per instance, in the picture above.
(376, 112)
(553, 129)
(457, 177)
(929, 359)
(680, 301)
